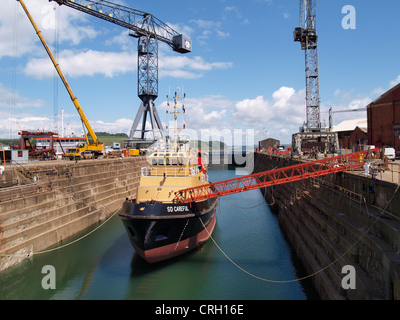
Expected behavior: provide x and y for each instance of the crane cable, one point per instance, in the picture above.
(56, 78)
(14, 70)
(312, 274)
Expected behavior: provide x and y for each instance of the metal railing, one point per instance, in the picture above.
(170, 171)
(390, 172)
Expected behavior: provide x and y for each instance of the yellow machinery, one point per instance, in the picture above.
(89, 149)
(133, 152)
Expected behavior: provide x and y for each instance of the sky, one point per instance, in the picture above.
(245, 73)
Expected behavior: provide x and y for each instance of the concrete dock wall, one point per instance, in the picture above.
(44, 204)
(336, 221)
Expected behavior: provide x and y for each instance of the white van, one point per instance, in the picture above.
(390, 153)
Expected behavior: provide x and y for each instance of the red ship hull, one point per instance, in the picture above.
(160, 231)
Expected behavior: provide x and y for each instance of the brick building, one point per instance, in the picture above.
(352, 134)
(383, 117)
(268, 143)
(358, 138)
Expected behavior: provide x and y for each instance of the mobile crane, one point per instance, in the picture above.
(95, 148)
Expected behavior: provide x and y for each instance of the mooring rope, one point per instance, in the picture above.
(79, 239)
(74, 241)
(312, 274)
(64, 245)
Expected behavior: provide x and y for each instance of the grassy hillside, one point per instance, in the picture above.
(109, 138)
(8, 142)
(208, 145)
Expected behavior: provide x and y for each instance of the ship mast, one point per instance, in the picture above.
(176, 112)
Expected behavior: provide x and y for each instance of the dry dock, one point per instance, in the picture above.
(45, 203)
(340, 220)
(335, 221)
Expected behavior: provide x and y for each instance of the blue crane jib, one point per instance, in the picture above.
(139, 22)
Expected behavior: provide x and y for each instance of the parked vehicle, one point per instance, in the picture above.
(390, 153)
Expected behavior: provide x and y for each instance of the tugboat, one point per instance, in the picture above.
(158, 226)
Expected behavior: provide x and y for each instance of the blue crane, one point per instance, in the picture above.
(148, 30)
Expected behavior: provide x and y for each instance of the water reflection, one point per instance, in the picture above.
(105, 266)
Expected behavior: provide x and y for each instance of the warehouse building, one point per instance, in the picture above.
(383, 116)
(352, 134)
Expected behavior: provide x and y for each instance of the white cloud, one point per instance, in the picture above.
(377, 92)
(72, 126)
(18, 35)
(282, 96)
(182, 29)
(16, 38)
(187, 67)
(359, 103)
(122, 125)
(249, 110)
(206, 24)
(9, 126)
(86, 63)
(347, 106)
(287, 107)
(222, 34)
(207, 112)
(209, 28)
(395, 82)
(280, 115)
(10, 99)
(123, 40)
(110, 64)
(236, 14)
(350, 109)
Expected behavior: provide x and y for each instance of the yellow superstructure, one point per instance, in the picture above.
(169, 172)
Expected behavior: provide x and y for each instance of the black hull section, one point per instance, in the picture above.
(159, 231)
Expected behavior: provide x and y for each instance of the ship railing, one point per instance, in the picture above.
(169, 171)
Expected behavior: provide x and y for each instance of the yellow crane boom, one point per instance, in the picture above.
(96, 144)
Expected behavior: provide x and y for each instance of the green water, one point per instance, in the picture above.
(104, 265)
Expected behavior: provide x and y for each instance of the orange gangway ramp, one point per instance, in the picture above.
(351, 161)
